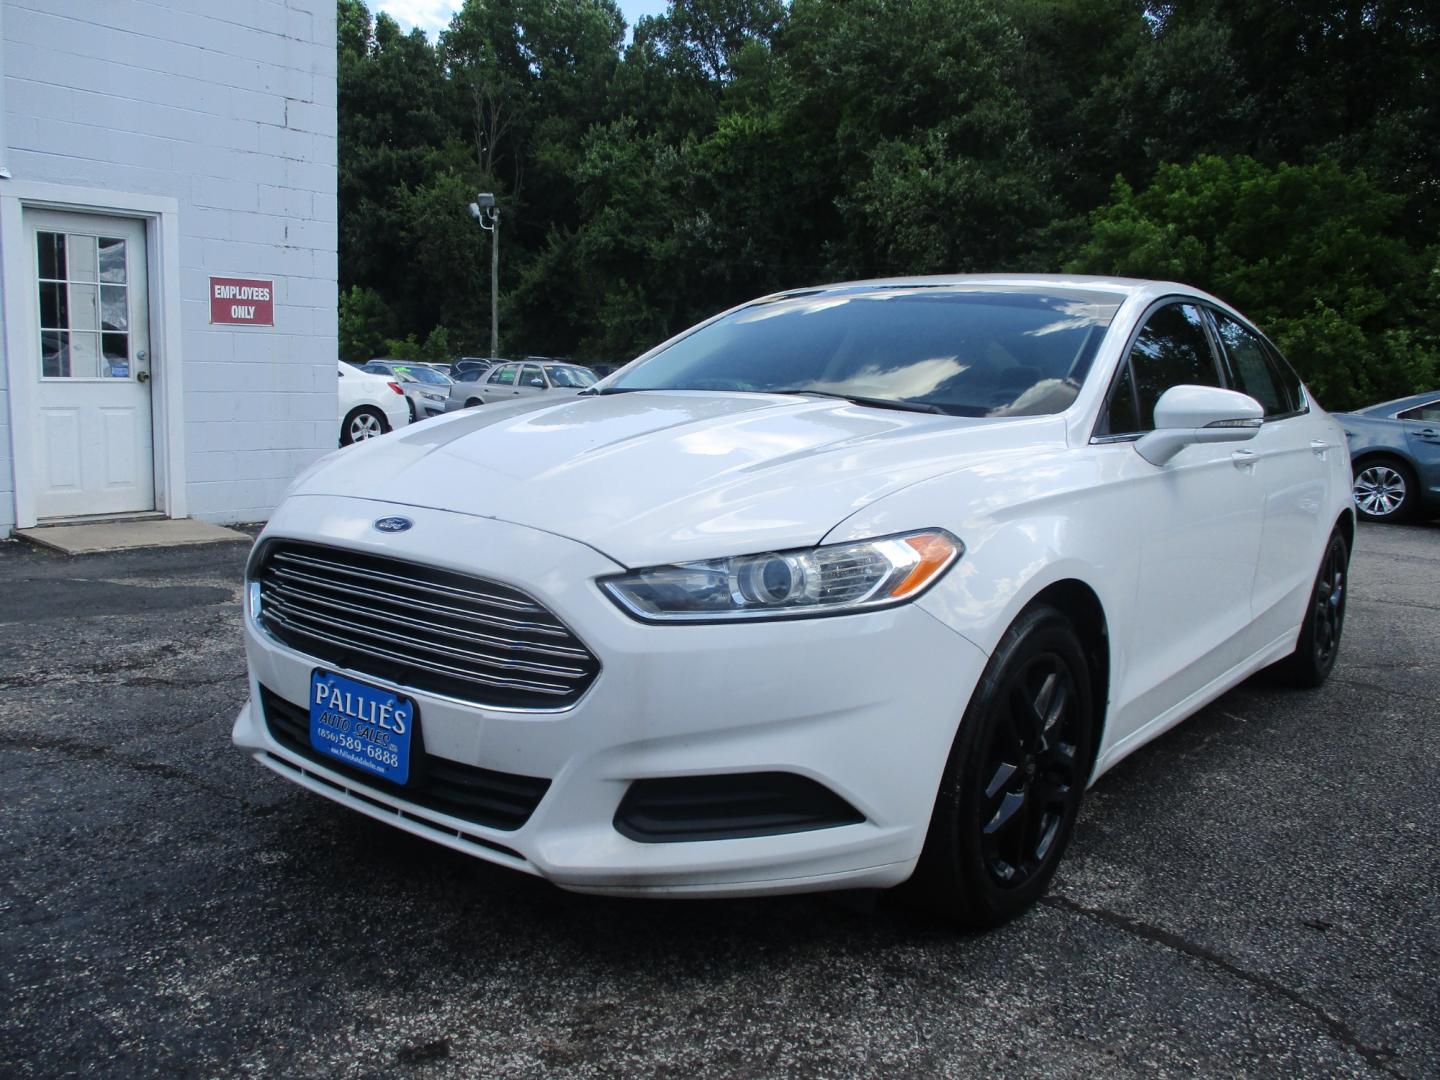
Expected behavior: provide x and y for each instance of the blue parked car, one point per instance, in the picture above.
(1395, 452)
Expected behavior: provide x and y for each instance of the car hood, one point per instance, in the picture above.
(667, 476)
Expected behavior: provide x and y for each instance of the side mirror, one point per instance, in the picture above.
(1199, 414)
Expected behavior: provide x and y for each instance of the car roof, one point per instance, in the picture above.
(1120, 287)
(1399, 404)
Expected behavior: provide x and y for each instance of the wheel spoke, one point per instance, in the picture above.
(1008, 815)
(1004, 774)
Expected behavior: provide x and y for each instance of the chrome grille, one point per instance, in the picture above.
(421, 627)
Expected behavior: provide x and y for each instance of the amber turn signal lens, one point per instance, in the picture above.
(936, 552)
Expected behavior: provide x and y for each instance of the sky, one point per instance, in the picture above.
(433, 15)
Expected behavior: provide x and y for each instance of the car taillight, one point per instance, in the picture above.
(396, 387)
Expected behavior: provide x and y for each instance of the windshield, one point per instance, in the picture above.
(961, 350)
(575, 377)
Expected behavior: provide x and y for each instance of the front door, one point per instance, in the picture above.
(90, 360)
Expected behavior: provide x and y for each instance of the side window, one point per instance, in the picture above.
(1288, 379)
(1172, 350)
(504, 376)
(1255, 373)
(532, 377)
(1427, 414)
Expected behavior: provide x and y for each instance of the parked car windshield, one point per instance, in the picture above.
(961, 350)
(575, 377)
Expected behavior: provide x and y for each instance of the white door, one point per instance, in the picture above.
(94, 447)
(1198, 519)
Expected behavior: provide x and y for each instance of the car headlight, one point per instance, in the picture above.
(830, 580)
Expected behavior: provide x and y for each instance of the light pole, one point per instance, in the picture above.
(484, 210)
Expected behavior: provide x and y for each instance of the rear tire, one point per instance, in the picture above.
(1319, 642)
(473, 402)
(1384, 489)
(361, 423)
(1012, 787)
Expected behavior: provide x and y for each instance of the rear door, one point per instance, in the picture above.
(531, 381)
(500, 385)
(1422, 437)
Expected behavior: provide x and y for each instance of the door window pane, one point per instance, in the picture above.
(84, 306)
(1254, 374)
(54, 312)
(83, 262)
(54, 354)
(531, 377)
(504, 377)
(1172, 350)
(112, 259)
(84, 355)
(1427, 414)
(115, 307)
(116, 349)
(52, 255)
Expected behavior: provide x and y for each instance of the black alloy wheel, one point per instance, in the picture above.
(1015, 778)
(1319, 642)
(1032, 770)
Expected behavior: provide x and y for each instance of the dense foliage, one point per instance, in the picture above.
(1283, 153)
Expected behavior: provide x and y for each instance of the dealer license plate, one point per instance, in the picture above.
(361, 725)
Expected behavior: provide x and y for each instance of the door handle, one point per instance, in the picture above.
(1243, 459)
(1318, 447)
(142, 376)
(1428, 434)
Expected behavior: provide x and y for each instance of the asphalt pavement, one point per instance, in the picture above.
(1255, 894)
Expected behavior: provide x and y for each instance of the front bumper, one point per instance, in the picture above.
(866, 705)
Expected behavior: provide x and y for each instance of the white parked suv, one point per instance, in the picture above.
(846, 587)
(370, 405)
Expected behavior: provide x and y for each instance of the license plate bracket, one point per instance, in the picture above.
(366, 727)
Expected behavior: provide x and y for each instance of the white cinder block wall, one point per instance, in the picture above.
(229, 108)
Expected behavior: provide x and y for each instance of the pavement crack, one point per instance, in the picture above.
(1378, 1058)
(80, 751)
(108, 667)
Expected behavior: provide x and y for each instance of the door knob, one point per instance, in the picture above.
(142, 376)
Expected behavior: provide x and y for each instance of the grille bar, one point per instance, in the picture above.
(379, 616)
(334, 567)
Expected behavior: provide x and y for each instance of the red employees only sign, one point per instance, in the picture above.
(242, 301)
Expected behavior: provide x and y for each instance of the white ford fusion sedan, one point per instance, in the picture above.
(846, 587)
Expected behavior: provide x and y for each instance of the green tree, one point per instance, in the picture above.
(1313, 253)
(366, 321)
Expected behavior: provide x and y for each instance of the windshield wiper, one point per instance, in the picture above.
(878, 403)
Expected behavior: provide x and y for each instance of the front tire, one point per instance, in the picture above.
(361, 423)
(1319, 643)
(1012, 787)
(1384, 489)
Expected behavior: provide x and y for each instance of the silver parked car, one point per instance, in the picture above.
(426, 389)
(525, 378)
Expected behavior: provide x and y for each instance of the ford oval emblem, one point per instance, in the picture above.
(393, 524)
